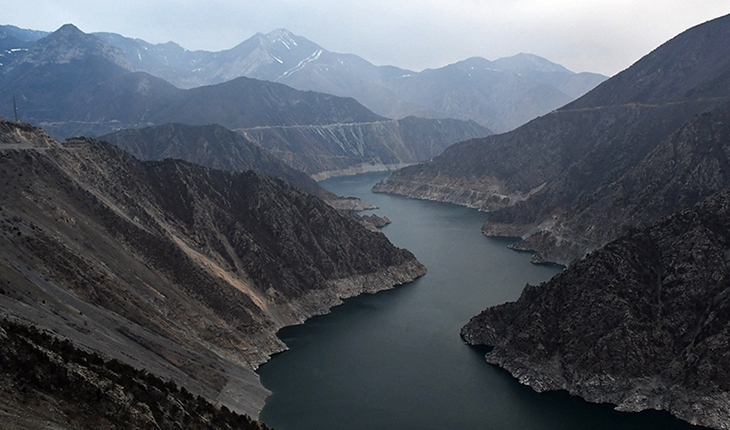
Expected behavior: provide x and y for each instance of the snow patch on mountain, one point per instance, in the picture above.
(302, 64)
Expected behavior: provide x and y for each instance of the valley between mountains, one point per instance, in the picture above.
(158, 208)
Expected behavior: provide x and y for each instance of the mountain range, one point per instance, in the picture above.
(499, 95)
(73, 83)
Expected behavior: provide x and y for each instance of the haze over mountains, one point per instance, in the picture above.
(499, 95)
(74, 83)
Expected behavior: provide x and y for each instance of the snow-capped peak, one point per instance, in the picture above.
(283, 37)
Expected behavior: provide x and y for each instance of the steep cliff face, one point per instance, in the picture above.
(341, 149)
(681, 171)
(532, 179)
(185, 271)
(643, 322)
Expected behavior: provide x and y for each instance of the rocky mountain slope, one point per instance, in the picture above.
(539, 181)
(15, 41)
(48, 383)
(499, 95)
(684, 169)
(218, 148)
(74, 84)
(184, 271)
(337, 149)
(643, 322)
(375, 146)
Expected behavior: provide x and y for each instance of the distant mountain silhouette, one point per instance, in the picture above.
(73, 77)
(499, 95)
(15, 41)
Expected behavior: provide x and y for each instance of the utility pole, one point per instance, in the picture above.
(15, 108)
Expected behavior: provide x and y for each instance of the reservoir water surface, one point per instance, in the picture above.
(394, 360)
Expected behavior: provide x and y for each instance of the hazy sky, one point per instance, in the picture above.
(604, 36)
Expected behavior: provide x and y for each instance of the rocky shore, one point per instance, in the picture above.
(643, 323)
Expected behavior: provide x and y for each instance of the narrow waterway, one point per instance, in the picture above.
(394, 360)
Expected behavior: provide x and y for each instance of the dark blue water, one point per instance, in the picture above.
(394, 360)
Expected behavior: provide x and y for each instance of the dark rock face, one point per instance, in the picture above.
(536, 181)
(182, 270)
(643, 322)
(683, 170)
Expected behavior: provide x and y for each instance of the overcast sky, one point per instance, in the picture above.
(604, 36)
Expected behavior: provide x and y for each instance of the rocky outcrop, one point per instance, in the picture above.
(643, 322)
(185, 271)
(536, 181)
(376, 221)
(347, 149)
